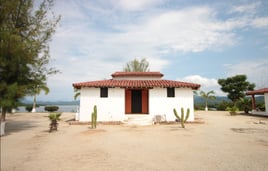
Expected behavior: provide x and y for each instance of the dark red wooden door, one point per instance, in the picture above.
(128, 101)
(131, 99)
(145, 101)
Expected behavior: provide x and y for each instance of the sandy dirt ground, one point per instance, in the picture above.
(222, 142)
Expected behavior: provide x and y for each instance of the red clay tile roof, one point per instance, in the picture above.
(136, 84)
(137, 74)
(260, 91)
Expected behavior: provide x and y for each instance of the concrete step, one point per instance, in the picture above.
(138, 120)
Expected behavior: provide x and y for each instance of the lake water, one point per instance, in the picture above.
(62, 108)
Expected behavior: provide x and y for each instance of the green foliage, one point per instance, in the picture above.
(245, 104)
(261, 106)
(233, 110)
(94, 117)
(137, 66)
(77, 93)
(181, 118)
(236, 87)
(24, 50)
(223, 105)
(29, 108)
(199, 106)
(51, 108)
(54, 116)
(9, 96)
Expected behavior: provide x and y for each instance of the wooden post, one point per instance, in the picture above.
(253, 103)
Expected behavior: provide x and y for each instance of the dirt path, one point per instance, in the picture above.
(223, 142)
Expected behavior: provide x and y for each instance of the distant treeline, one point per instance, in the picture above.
(221, 103)
(48, 103)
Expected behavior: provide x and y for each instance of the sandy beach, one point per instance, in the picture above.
(221, 142)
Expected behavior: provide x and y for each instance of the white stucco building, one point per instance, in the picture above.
(264, 92)
(135, 93)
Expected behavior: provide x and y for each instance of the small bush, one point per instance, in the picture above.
(29, 108)
(54, 116)
(233, 110)
(51, 108)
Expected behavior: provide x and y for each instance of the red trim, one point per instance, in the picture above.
(260, 91)
(128, 101)
(144, 101)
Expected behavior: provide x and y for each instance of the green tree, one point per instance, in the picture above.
(25, 32)
(236, 87)
(137, 66)
(207, 96)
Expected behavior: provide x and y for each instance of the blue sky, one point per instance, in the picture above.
(195, 40)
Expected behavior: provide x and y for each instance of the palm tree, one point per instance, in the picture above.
(207, 96)
(54, 118)
(37, 90)
(245, 104)
(77, 93)
(137, 66)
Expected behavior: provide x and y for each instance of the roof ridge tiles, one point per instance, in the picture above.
(137, 74)
(136, 83)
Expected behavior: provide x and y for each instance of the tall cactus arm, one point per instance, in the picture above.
(96, 113)
(182, 118)
(188, 114)
(176, 114)
(92, 120)
(95, 109)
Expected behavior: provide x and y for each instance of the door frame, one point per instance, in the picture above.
(144, 103)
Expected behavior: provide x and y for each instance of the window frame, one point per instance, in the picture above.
(171, 92)
(104, 92)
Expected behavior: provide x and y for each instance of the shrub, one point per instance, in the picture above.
(29, 108)
(244, 104)
(199, 107)
(233, 110)
(261, 106)
(54, 116)
(222, 106)
(51, 108)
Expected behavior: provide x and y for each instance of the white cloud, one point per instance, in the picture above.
(171, 31)
(136, 5)
(260, 22)
(246, 8)
(256, 71)
(207, 84)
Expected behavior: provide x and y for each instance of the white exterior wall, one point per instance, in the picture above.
(266, 101)
(160, 104)
(111, 108)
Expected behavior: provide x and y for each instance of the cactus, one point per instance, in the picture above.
(94, 117)
(181, 118)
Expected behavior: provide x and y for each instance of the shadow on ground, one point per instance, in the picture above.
(17, 126)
